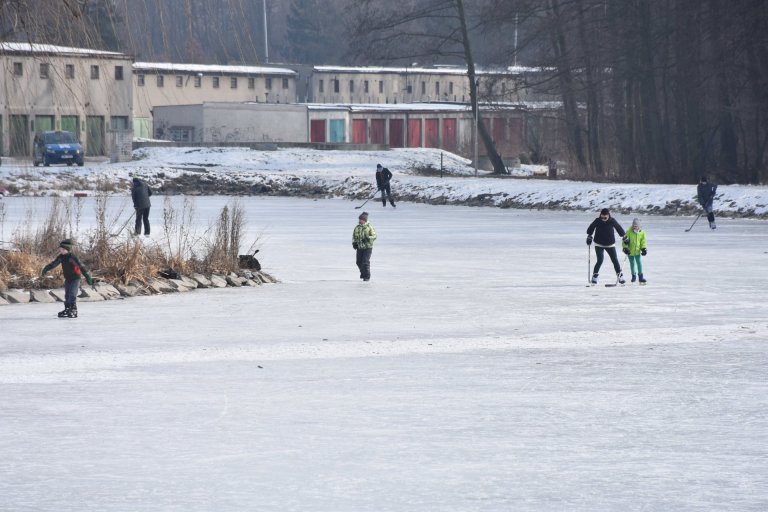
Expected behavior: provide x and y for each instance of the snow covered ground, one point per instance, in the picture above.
(350, 174)
(475, 372)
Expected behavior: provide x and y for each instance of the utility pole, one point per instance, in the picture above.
(477, 117)
(266, 37)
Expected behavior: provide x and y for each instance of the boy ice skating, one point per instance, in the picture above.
(362, 241)
(635, 248)
(706, 194)
(72, 269)
(603, 228)
(383, 176)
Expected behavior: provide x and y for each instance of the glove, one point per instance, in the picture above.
(625, 250)
(644, 252)
(625, 239)
(354, 245)
(589, 239)
(89, 280)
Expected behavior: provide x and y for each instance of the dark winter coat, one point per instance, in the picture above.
(382, 177)
(603, 230)
(140, 193)
(70, 266)
(706, 193)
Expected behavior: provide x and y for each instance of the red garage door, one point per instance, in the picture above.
(449, 134)
(378, 131)
(317, 130)
(396, 133)
(359, 129)
(431, 133)
(414, 133)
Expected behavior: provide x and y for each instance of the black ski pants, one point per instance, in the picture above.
(142, 214)
(386, 192)
(363, 260)
(612, 253)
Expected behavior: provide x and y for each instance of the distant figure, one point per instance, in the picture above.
(140, 193)
(635, 248)
(72, 269)
(552, 164)
(706, 192)
(603, 228)
(383, 176)
(362, 242)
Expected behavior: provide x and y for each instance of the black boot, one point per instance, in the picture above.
(642, 279)
(72, 312)
(65, 313)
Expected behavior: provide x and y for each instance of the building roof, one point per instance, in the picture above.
(210, 69)
(50, 49)
(438, 70)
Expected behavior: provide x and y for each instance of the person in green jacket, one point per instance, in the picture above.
(635, 248)
(362, 242)
(72, 270)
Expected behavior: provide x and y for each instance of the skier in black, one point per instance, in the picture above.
(603, 228)
(140, 193)
(706, 192)
(383, 176)
(72, 269)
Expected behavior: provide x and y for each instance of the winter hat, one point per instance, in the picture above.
(636, 222)
(364, 216)
(378, 166)
(605, 211)
(66, 244)
(136, 180)
(703, 179)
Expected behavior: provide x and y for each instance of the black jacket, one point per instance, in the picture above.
(140, 193)
(603, 230)
(382, 177)
(706, 193)
(70, 266)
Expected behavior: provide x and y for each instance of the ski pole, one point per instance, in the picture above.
(694, 222)
(374, 195)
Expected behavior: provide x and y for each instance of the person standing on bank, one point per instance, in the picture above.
(72, 270)
(603, 228)
(706, 194)
(362, 242)
(383, 176)
(140, 192)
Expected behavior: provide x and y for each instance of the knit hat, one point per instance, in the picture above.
(605, 211)
(378, 166)
(636, 222)
(364, 216)
(66, 244)
(703, 179)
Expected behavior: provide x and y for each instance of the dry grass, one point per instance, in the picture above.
(109, 250)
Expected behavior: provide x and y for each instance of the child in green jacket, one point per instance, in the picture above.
(635, 248)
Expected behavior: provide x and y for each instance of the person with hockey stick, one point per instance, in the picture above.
(72, 269)
(706, 194)
(362, 242)
(603, 228)
(140, 193)
(635, 248)
(383, 177)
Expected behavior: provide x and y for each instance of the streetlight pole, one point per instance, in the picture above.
(266, 37)
(477, 117)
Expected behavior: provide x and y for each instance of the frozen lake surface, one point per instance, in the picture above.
(475, 372)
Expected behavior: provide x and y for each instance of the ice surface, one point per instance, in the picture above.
(475, 372)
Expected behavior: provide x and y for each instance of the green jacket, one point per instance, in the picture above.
(363, 236)
(636, 242)
(70, 266)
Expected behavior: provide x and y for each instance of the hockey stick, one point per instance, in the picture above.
(589, 266)
(611, 285)
(122, 228)
(694, 222)
(374, 195)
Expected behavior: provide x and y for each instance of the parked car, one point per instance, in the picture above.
(57, 147)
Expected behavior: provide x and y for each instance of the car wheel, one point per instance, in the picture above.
(69, 164)
(35, 163)
(80, 164)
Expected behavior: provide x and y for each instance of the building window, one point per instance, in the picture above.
(233, 82)
(160, 80)
(251, 83)
(268, 84)
(320, 86)
(18, 69)
(198, 81)
(179, 81)
(365, 86)
(45, 70)
(423, 87)
(285, 83)
(69, 71)
(118, 72)
(437, 88)
(94, 72)
(140, 80)
(409, 89)
(351, 86)
(119, 122)
(215, 82)
(335, 86)
(450, 87)
(381, 86)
